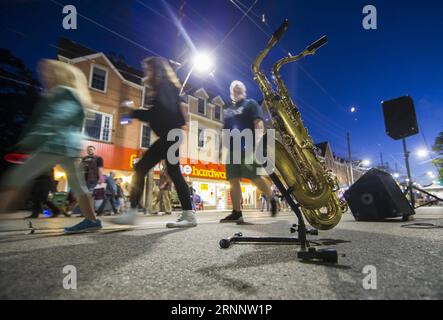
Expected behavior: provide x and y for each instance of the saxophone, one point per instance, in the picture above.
(312, 185)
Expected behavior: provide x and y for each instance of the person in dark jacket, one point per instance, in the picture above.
(110, 194)
(164, 115)
(93, 168)
(54, 136)
(43, 185)
(244, 114)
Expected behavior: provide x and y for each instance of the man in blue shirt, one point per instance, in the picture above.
(244, 114)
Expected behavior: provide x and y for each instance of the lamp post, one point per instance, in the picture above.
(351, 171)
(408, 172)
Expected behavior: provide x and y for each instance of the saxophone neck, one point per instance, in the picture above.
(259, 76)
(272, 42)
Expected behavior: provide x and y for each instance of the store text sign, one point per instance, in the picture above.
(194, 171)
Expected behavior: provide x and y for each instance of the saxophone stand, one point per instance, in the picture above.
(306, 253)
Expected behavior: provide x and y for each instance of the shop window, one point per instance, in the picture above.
(99, 78)
(146, 137)
(201, 138)
(98, 126)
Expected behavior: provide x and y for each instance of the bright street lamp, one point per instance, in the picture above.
(422, 153)
(203, 62)
(366, 163)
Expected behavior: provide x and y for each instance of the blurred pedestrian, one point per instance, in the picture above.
(93, 168)
(54, 137)
(41, 189)
(192, 194)
(264, 202)
(164, 115)
(243, 114)
(110, 194)
(155, 206)
(120, 197)
(165, 191)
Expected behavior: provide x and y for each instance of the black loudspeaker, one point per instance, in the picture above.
(400, 118)
(376, 196)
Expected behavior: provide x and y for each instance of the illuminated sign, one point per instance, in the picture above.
(204, 186)
(133, 160)
(194, 171)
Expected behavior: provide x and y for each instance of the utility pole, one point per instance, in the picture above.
(351, 172)
(382, 165)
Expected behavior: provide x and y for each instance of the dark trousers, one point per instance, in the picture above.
(156, 153)
(37, 207)
(110, 199)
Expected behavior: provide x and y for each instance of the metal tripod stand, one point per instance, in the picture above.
(306, 253)
(411, 187)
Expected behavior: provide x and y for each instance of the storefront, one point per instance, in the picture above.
(117, 159)
(209, 182)
(207, 179)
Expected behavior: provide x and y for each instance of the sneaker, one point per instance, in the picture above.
(235, 216)
(128, 218)
(85, 226)
(186, 220)
(273, 207)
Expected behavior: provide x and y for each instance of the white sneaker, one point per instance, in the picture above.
(186, 220)
(128, 218)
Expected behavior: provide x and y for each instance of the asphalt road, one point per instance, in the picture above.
(152, 262)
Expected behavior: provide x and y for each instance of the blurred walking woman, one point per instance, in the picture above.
(164, 115)
(54, 137)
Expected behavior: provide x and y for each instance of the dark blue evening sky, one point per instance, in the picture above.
(357, 68)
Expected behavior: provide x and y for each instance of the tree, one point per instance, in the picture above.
(438, 148)
(19, 91)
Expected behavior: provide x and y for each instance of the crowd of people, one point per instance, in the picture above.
(54, 137)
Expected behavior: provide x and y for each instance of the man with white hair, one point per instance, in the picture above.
(243, 114)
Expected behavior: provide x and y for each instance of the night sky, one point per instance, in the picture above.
(357, 68)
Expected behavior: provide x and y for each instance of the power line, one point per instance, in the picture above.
(229, 51)
(20, 82)
(235, 26)
(110, 30)
(316, 82)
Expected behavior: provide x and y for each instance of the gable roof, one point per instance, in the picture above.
(322, 146)
(73, 50)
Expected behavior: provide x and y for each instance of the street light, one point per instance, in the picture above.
(396, 175)
(431, 174)
(203, 63)
(422, 153)
(353, 109)
(366, 163)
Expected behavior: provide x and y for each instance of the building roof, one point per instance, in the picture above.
(322, 146)
(71, 50)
